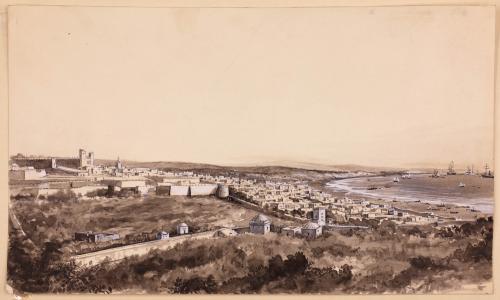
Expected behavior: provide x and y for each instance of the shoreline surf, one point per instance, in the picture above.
(409, 190)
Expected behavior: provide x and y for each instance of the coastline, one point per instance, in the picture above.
(447, 210)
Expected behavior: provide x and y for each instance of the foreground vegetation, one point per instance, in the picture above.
(385, 259)
(54, 219)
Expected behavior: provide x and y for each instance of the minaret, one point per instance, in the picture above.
(119, 164)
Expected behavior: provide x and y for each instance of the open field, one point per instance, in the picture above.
(128, 216)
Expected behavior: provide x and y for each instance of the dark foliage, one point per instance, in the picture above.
(44, 271)
(97, 193)
(62, 196)
(195, 285)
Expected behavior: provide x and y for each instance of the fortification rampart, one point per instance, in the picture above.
(116, 254)
(37, 163)
(207, 189)
(203, 189)
(179, 190)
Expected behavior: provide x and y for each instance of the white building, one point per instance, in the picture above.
(319, 215)
(162, 235)
(28, 173)
(182, 228)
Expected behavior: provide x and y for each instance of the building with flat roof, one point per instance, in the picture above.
(96, 237)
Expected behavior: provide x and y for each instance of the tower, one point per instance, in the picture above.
(119, 164)
(82, 155)
(319, 215)
(91, 159)
(53, 163)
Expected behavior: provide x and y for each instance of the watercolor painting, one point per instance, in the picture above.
(335, 150)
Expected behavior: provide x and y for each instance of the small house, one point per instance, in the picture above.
(162, 235)
(182, 228)
(311, 230)
(260, 224)
(291, 231)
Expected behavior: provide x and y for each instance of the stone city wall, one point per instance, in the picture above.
(116, 254)
(203, 189)
(179, 190)
(37, 163)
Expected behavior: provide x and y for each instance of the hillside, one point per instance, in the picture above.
(273, 168)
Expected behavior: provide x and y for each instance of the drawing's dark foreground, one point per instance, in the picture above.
(384, 259)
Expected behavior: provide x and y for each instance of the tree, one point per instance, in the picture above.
(296, 263)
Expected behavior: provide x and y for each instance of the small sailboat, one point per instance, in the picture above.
(487, 172)
(469, 171)
(451, 169)
(395, 179)
(461, 184)
(436, 174)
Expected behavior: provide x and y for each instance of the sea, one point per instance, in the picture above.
(477, 193)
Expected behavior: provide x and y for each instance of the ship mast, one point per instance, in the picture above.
(451, 168)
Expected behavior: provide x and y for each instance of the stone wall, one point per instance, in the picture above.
(116, 254)
(37, 163)
(46, 163)
(203, 189)
(179, 190)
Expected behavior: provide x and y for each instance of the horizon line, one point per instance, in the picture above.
(283, 163)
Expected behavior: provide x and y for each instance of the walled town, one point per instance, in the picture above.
(296, 200)
(126, 211)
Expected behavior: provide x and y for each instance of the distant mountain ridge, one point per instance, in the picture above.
(272, 167)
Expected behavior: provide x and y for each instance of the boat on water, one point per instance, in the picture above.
(406, 176)
(395, 179)
(461, 184)
(436, 174)
(487, 172)
(451, 169)
(470, 170)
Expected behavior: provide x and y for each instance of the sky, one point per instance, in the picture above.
(394, 86)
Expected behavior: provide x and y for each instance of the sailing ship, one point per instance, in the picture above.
(395, 179)
(487, 172)
(436, 174)
(451, 169)
(470, 171)
(461, 184)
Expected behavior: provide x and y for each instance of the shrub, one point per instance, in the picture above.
(97, 193)
(195, 285)
(62, 196)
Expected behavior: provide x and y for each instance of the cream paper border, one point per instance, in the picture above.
(4, 198)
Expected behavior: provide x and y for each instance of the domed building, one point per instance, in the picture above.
(260, 224)
(182, 228)
(311, 230)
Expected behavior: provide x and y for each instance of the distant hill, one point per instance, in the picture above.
(330, 168)
(272, 168)
(159, 164)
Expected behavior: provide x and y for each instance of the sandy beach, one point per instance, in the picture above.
(424, 194)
